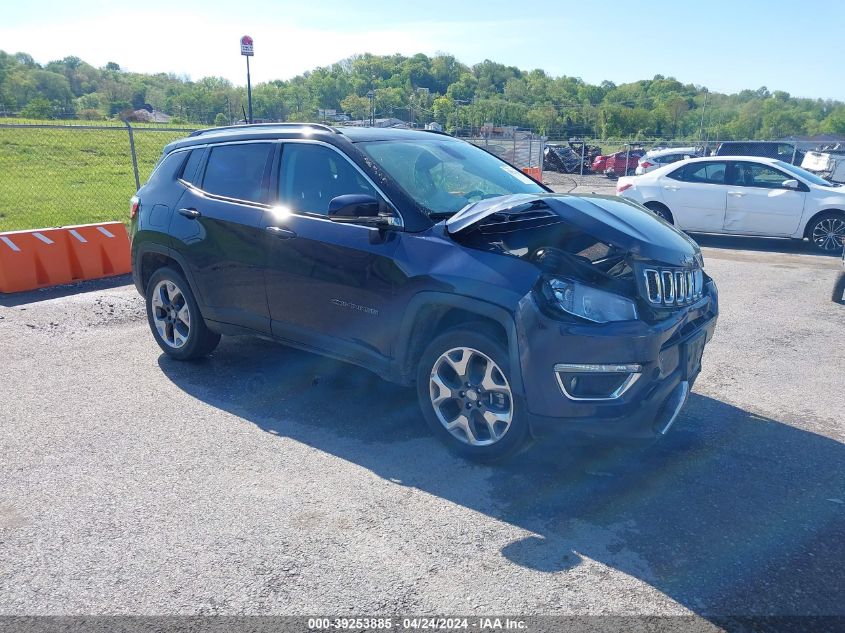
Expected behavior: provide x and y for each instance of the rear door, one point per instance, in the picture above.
(696, 195)
(218, 230)
(758, 203)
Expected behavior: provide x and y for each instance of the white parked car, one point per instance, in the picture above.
(657, 158)
(743, 195)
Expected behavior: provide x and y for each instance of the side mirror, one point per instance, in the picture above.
(356, 208)
(791, 184)
(354, 205)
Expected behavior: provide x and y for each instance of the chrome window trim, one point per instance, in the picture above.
(634, 371)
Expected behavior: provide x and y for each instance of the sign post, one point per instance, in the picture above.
(248, 51)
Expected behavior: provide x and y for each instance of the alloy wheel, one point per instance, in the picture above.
(171, 315)
(829, 234)
(471, 396)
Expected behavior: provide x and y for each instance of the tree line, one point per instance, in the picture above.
(420, 89)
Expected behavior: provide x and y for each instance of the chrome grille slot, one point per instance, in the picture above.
(668, 287)
(673, 287)
(681, 286)
(654, 294)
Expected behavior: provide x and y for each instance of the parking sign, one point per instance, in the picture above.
(246, 46)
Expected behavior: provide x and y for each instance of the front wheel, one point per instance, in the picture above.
(827, 232)
(467, 399)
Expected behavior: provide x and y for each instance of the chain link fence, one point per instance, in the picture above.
(522, 149)
(58, 175)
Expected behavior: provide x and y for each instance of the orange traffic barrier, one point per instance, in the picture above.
(49, 257)
(535, 172)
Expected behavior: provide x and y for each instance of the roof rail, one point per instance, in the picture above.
(441, 132)
(319, 126)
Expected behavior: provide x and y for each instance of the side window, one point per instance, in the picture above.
(758, 175)
(237, 171)
(311, 175)
(785, 152)
(189, 171)
(167, 167)
(701, 173)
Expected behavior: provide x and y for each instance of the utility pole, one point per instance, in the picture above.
(372, 95)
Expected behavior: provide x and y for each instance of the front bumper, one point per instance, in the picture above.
(664, 351)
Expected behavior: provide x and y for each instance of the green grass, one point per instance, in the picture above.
(57, 177)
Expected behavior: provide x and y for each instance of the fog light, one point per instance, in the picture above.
(596, 382)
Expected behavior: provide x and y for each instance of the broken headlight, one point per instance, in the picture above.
(588, 302)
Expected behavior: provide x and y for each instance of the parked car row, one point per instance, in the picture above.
(743, 195)
(635, 160)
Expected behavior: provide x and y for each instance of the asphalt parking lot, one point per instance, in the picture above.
(264, 480)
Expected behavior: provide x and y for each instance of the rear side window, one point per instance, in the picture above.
(189, 172)
(168, 166)
(702, 173)
(238, 171)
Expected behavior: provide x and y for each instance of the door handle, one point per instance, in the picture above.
(282, 234)
(190, 213)
(736, 194)
(671, 187)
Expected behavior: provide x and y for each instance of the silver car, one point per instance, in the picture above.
(659, 157)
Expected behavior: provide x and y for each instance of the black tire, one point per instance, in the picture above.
(199, 340)
(839, 290)
(660, 210)
(821, 225)
(515, 437)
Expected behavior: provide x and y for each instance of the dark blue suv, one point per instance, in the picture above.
(515, 311)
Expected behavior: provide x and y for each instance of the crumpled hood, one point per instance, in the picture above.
(612, 220)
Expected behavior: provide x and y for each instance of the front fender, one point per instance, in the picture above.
(423, 302)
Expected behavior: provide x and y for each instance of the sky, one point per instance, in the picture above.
(725, 45)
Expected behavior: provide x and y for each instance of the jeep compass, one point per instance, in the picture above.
(516, 312)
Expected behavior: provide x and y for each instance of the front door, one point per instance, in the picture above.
(759, 204)
(329, 285)
(218, 230)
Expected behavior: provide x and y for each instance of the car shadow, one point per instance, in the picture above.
(761, 244)
(731, 514)
(15, 299)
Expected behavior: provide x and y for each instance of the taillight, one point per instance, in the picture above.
(621, 188)
(134, 205)
(646, 165)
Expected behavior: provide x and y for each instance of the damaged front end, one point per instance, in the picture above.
(601, 259)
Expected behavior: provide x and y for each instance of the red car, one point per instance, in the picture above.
(599, 164)
(615, 163)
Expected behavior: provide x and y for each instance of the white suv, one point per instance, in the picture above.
(743, 195)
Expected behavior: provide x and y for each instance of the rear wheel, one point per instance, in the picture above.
(827, 232)
(464, 389)
(175, 319)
